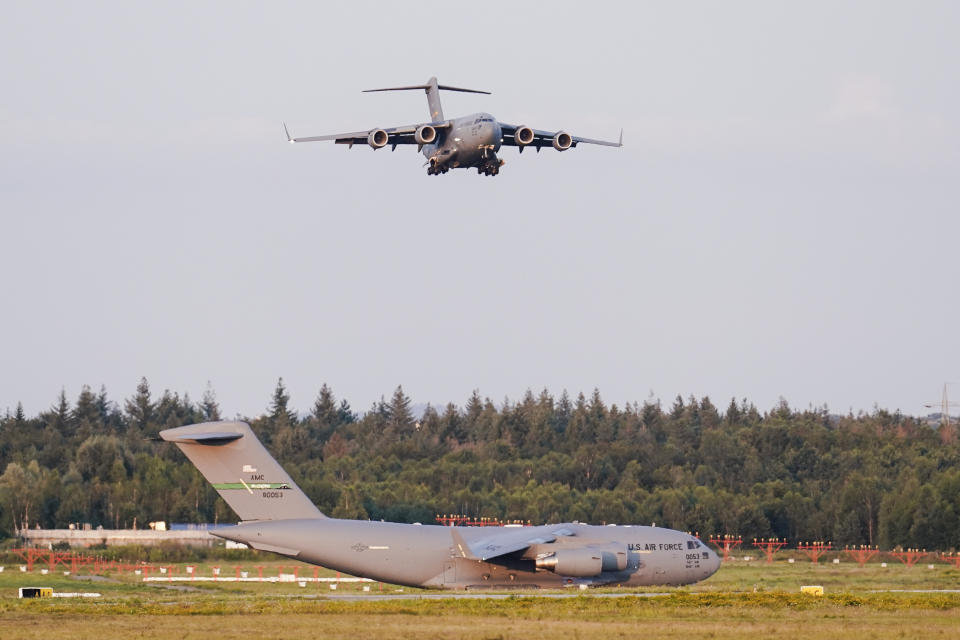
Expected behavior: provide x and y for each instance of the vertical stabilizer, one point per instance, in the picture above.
(433, 100)
(243, 472)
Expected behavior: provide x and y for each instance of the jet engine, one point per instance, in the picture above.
(584, 563)
(562, 141)
(378, 138)
(425, 135)
(579, 563)
(614, 557)
(523, 135)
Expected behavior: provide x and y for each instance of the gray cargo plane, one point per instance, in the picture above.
(470, 141)
(277, 516)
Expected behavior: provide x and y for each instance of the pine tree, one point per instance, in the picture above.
(61, 414)
(325, 406)
(579, 430)
(601, 428)
(280, 414)
(104, 406)
(677, 410)
(732, 416)
(209, 407)
(58, 427)
(325, 415)
(453, 424)
(474, 405)
(540, 420)
(400, 417)
(709, 416)
(563, 413)
(471, 415)
(347, 416)
(140, 409)
(85, 415)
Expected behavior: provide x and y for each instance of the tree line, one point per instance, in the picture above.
(874, 478)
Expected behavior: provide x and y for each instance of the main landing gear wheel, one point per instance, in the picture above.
(490, 167)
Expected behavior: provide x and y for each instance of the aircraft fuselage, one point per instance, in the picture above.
(470, 141)
(427, 556)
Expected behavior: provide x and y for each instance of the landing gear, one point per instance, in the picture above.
(490, 166)
(438, 164)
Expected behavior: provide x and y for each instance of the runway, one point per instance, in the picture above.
(349, 597)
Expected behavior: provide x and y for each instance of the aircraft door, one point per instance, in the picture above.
(449, 572)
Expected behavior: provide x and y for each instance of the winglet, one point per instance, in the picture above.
(620, 144)
(289, 139)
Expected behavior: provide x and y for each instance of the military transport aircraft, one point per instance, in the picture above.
(277, 516)
(470, 141)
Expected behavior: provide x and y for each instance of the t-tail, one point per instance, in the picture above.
(234, 461)
(433, 95)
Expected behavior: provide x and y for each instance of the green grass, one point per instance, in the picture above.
(741, 600)
(847, 576)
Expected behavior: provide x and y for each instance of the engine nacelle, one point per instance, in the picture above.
(579, 563)
(562, 141)
(425, 135)
(523, 135)
(615, 557)
(378, 138)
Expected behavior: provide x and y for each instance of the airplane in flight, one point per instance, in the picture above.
(470, 141)
(277, 516)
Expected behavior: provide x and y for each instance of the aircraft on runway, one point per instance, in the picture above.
(277, 516)
(470, 141)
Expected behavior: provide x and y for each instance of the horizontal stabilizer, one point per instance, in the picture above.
(427, 86)
(214, 437)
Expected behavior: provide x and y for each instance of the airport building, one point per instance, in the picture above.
(84, 536)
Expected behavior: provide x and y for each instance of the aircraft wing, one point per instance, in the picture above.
(396, 135)
(503, 541)
(545, 138)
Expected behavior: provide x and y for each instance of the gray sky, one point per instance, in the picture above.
(781, 222)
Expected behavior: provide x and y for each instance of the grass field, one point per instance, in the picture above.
(741, 600)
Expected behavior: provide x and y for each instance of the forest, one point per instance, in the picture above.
(877, 478)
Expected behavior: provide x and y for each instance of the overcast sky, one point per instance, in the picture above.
(782, 220)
